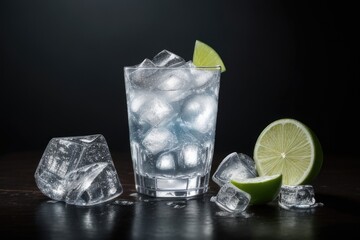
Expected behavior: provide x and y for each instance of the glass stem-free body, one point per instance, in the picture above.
(172, 118)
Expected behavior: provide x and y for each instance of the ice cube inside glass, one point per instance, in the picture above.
(172, 114)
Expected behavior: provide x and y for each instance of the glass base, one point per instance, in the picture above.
(172, 187)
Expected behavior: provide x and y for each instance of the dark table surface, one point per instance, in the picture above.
(27, 214)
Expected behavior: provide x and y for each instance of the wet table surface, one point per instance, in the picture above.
(27, 214)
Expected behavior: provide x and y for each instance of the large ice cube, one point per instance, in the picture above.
(78, 170)
(234, 165)
(232, 199)
(166, 58)
(199, 113)
(300, 196)
(159, 139)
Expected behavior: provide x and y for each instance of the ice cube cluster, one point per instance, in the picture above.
(165, 71)
(172, 116)
(78, 170)
(241, 166)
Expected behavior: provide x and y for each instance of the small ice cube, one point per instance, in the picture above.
(166, 162)
(78, 170)
(167, 59)
(300, 196)
(232, 199)
(199, 113)
(159, 139)
(190, 155)
(234, 165)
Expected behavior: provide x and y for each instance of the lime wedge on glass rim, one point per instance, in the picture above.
(261, 189)
(206, 56)
(288, 147)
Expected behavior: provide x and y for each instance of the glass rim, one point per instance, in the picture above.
(217, 67)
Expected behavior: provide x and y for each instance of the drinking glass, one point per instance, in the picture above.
(172, 116)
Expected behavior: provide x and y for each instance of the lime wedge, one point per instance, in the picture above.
(205, 56)
(290, 148)
(261, 189)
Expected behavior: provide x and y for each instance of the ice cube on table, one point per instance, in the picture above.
(78, 170)
(231, 198)
(237, 165)
(199, 113)
(159, 139)
(297, 197)
(166, 58)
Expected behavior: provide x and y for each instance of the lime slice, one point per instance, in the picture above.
(205, 56)
(261, 189)
(290, 148)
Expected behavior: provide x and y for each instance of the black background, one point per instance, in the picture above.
(61, 71)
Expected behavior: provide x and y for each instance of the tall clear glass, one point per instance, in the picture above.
(172, 116)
